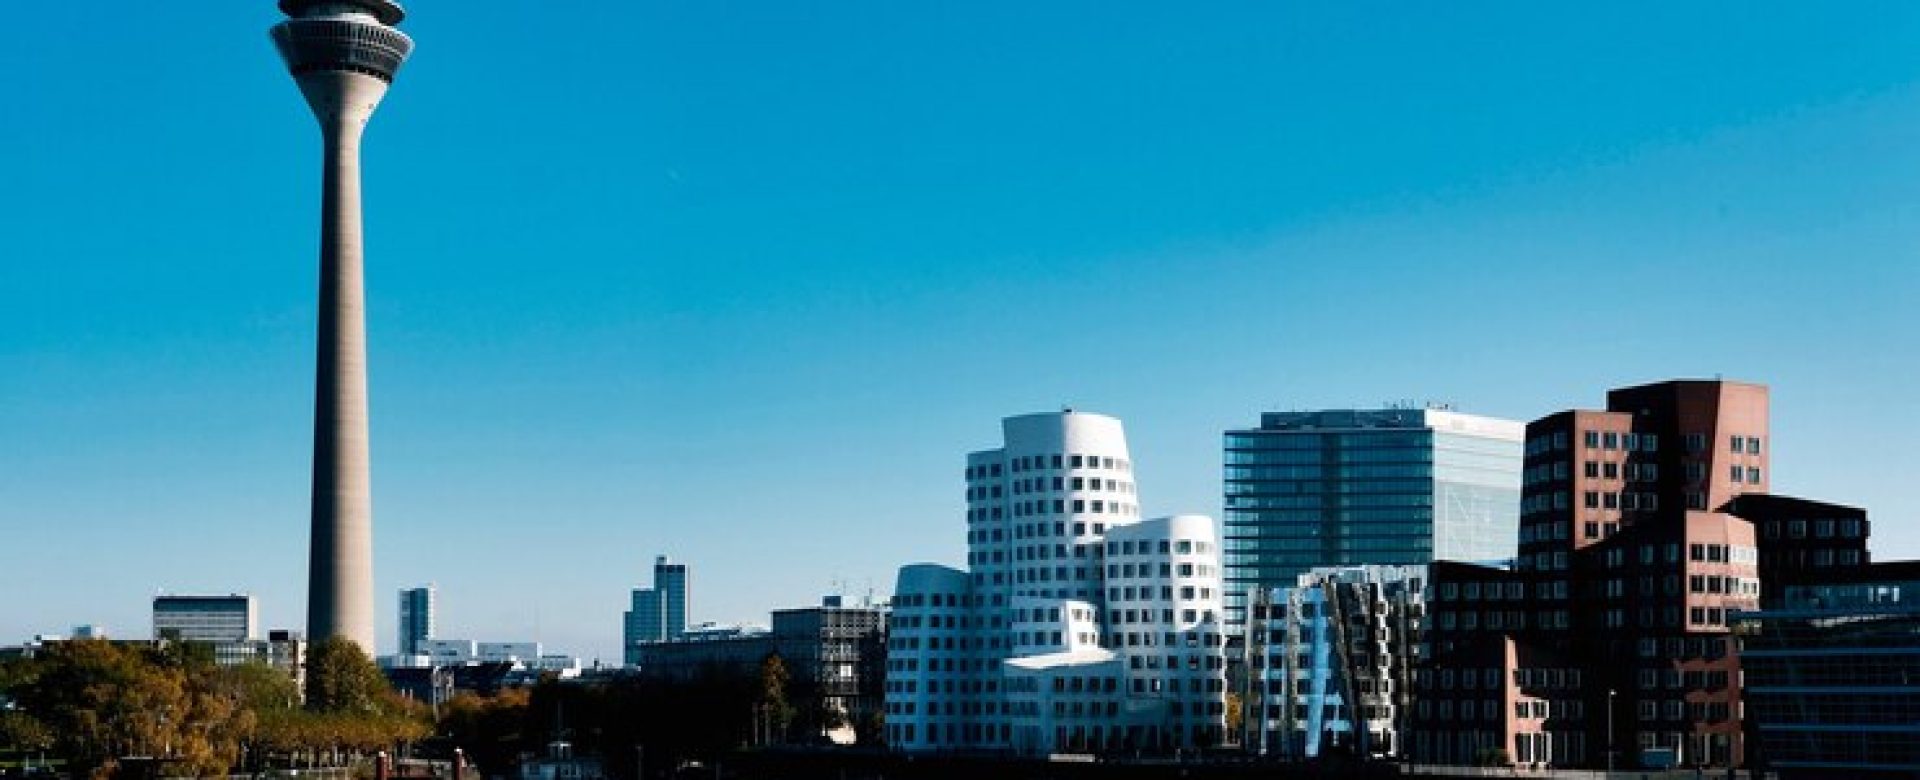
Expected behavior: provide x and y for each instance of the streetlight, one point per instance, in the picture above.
(1610, 751)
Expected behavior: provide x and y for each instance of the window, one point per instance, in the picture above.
(1753, 445)
(1736, 472)
(1738, 444)
(1592, 439)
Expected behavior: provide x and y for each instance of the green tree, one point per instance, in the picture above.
(341, 678)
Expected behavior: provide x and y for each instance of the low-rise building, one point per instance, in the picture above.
(1833, 674)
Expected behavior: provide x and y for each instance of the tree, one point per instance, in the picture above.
(770, 696)
(103, 701)
(1236, 715)
(341, 678)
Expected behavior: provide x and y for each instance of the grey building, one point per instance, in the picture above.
(232, 618)
(659, 613)
(416, 618)
(1351, 487)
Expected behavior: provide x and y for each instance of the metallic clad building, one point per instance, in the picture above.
(1343, 487)
(343, 54)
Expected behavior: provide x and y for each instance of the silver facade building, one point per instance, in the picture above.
(1331, 661)
(1344, 487)
(416, 618)
(343, 54)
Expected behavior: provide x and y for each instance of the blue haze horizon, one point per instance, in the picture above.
(743, 283)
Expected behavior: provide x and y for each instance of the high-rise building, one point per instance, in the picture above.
(1077, 626)
(1608, 643)
(343, 54)
(659, 613)
(232, 618)
(1349, 487)
(670, 579)
(416, 618)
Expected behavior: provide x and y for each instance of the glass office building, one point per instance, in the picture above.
(1366, 487)
(1832, 673)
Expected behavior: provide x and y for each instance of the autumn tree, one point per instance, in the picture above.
(770, 696)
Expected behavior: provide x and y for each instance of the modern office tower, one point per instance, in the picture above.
(1077, 626)
(1629, 567)
(1830, 672)
(659, 613)
(416, 618)
(1349, 487)
(670, 579)
(232, 618)
(1335, 650)
(343, 54)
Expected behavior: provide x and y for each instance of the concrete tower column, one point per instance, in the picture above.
(340, 570)
(343, 54)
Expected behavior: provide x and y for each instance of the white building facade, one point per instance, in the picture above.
(1077, 627)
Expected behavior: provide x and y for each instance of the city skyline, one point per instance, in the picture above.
(682, 300)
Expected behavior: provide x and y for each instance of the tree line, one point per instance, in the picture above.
(95, 704)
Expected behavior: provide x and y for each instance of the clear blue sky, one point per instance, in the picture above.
(743, 281)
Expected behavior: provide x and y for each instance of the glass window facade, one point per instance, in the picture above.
(1365, 487)
(1833, 675)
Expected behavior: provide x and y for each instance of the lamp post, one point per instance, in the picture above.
(1610, 749)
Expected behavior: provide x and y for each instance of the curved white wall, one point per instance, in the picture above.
(1039, 601)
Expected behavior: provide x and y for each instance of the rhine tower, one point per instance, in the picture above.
(343, 54)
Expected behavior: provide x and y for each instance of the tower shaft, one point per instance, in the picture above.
(340, 586)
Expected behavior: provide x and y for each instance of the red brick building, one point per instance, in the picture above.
(1609, 633)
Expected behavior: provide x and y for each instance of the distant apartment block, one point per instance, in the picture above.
(1353, 487)
(231, 618)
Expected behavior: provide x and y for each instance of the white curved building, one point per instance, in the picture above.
(1076, 627)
